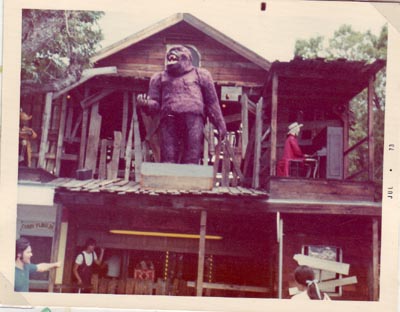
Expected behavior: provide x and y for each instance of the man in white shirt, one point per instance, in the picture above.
(83, 266)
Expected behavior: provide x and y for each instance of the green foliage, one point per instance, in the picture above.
(57, 44)
(356, 46)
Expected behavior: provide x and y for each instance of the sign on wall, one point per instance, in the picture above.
(36, 228)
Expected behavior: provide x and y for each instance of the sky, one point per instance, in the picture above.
(271, 33)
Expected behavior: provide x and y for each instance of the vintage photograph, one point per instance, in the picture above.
(229, 149)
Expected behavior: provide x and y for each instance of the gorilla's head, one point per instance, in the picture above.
(179, 60)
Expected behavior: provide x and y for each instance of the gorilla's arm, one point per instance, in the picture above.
(154, 95)
(211, 104)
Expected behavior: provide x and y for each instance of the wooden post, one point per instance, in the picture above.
(280, 274)
(92, 148)
(68, 123)
(103, 160)
(257, 144)
(112, 166)
(226, 165)
(125, 106)
(137, 140)
(346, 134)
(206, 142)
(375, 259)
(371, 145)
(202, 252)
(245, 123)
(45, 130)
(85, 118)
(128, 152)
(61, 131)
(274, 130)
(55, 246)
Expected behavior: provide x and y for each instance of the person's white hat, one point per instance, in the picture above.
(294, 126)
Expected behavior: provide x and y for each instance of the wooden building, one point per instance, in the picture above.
(240, 237)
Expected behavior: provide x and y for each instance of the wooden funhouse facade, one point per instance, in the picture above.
(240, 237)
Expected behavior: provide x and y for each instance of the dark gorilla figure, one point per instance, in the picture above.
(184, 95)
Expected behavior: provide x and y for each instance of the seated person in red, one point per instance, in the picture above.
(291, 150)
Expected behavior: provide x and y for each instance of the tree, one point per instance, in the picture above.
(356, 46)
(56, 47)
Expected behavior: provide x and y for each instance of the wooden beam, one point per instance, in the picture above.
(76, 127)
(274, 130)
(245, 123)
(202, 252)
(236, 166)
(95, 98)
(112, 167)
(280, 256)
(128, 152)
(45, 130)
(354, 146)
(92, 147)
(375, 259)
(230, 287)
(328, 265)
(206, 144)
(226, 166)
(68, 123)
(371, 138)
(85, 119)
(61, 131)
(137, 139)
(216, 162)
(55, 245)
(103, 160)
(232, 118)
(125, 109)
(324, 286)
(257, 144)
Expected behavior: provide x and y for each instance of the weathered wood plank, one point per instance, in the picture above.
(226, 166)
(291, 188)
(245, 123)
(68, 125)
(76, 127)
(125, 106)
(103, 159)
(45, 130)
(128, 152)
(137, 139)
(231, 287)
(375, 259)
(112, 167)
(202, 252)
(95, 98)
(274, 129)
(371, 139)
(257, 144)
(176, 176)
(328, 265)
(61, 132)
(92, 148)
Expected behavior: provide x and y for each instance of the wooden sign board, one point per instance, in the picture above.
(176, 176)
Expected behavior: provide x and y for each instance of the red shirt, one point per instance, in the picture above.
(291, 151)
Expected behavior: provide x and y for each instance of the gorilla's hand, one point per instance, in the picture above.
(143, 99)
(148, 105)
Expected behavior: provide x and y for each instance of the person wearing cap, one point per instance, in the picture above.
(291, 151)
(307, 285)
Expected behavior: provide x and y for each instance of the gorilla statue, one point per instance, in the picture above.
(184, 96)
